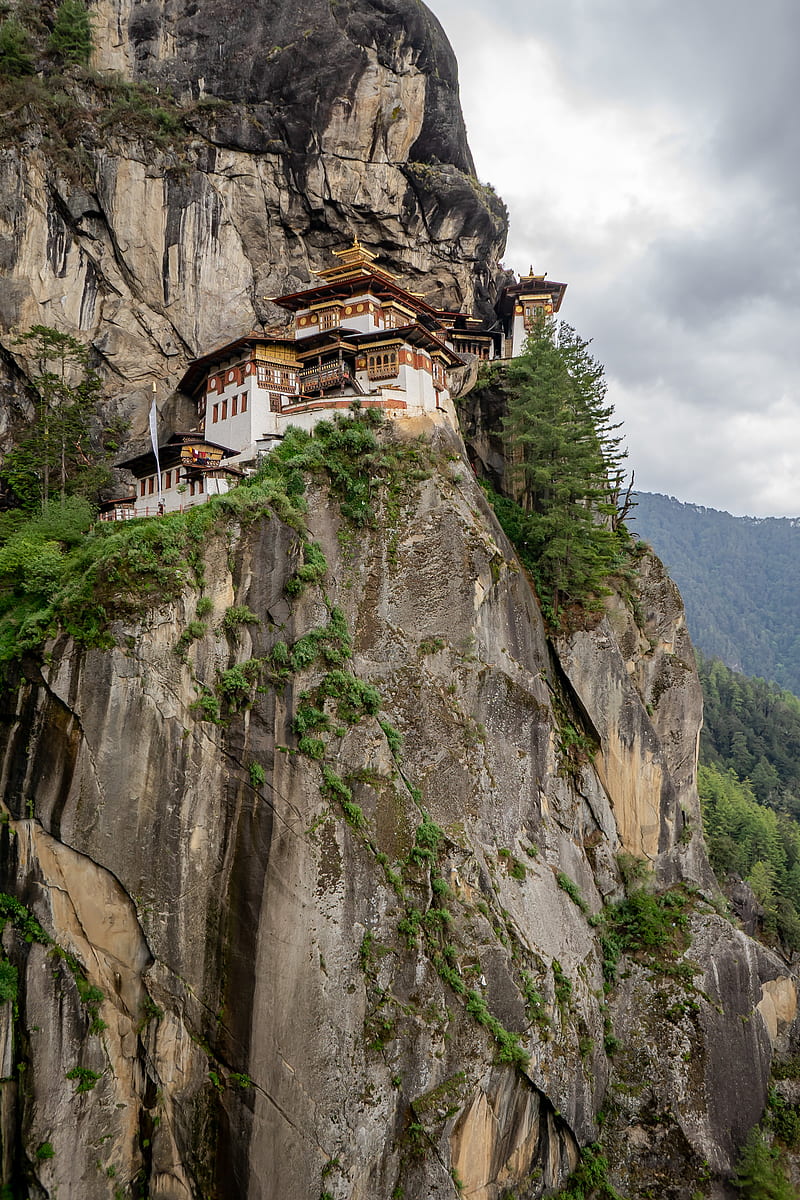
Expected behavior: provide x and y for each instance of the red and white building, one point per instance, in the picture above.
(355, 335)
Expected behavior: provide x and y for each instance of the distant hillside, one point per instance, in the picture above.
(749, 784)
(740, 580)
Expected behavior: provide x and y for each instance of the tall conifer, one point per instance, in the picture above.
(565, 454)
(71, 38)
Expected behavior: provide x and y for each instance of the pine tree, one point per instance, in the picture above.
(759, 1175)
(566, 463)
(64, 449)
(71, 38)
(16, 57)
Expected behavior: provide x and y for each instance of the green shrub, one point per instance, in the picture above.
(589, 1180)
(353, 699)
(86, 1078)
(354, 814)
(45, 1151)
(258, 775)
(426, 841)
(235, 685)
(394, 738)
(534, 1000)
(193, 632)
(23, 921)
(649, 922)
(240, 1079)
(236, 616)
(207, 705)
(409, 927)
(784, 1119)
(8, 981)
(563, 985)
(312, 570)
(312, 747)
(573, 891)
(509, 1047)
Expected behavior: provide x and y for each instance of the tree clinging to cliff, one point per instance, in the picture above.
(65, 448)
(566, 460)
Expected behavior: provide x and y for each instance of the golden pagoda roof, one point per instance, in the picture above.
(355, 261)
(531, 277)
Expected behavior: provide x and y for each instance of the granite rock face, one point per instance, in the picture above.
(308, 124)
(298, 997)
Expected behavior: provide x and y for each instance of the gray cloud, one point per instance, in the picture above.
(687, 278)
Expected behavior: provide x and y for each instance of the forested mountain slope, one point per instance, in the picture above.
(739, 578)
(749, 782)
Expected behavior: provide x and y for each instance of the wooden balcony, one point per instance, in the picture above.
(382, 371)
(322, 379)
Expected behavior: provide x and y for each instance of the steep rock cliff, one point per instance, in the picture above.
(248, 971)
(156, 233)
(328, 964)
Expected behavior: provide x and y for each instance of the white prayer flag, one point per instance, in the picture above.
(154, 440)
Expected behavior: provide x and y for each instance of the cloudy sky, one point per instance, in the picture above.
(649, 153)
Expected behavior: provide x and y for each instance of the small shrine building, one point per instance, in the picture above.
(192, 469)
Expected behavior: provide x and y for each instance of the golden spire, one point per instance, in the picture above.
(354, 260)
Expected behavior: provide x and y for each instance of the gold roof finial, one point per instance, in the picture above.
(355, 260)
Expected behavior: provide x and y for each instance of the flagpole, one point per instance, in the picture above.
(154, 441)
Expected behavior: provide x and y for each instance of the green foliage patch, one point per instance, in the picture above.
(71, 38)
(747, 839)
(509, 1047)
(236, 616)
(86, 1079)
(589, 1180)
(651, 926)
(8, 981)
(573, 891)
(760, 1174)
(13, 911)
(54, 581)
(16, 50)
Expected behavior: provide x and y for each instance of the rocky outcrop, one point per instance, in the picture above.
(297, 127)
(304, 989)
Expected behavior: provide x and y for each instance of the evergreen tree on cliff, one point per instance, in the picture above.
(566, 461)
(71, 38)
